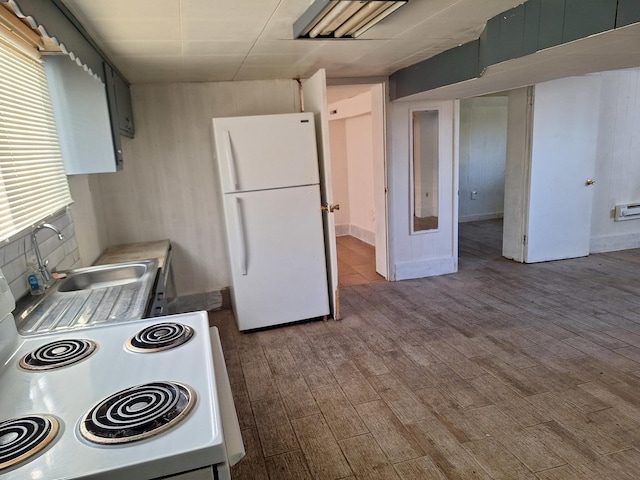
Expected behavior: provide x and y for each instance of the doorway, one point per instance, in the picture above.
(483, 159)
(356, 125)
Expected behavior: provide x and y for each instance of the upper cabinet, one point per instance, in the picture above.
(81, 113)
(119, 102)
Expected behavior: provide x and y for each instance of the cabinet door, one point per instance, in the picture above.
(113, 114)
(123, 102)
(81, 111)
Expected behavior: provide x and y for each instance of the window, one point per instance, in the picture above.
(33, 184)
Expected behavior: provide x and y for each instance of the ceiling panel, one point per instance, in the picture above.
(213, 40)
(216, 47)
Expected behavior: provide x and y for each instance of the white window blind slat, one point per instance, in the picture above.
(33, 184)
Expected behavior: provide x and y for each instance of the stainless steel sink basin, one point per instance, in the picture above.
(116, 292)
(103, 276)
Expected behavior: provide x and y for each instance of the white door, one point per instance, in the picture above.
(423, 189)
(314, 93)
(380, 177)
(563, 155)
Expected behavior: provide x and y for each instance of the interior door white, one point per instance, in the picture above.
(417, 252)
(380, 177)
(563, 155)
(314, 93)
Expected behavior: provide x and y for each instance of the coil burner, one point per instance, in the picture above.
(58, 354)
(22, 438)
(137, 413)
(162, 336)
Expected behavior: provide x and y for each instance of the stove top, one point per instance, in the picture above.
(102, 382)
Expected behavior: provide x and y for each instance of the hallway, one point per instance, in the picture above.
(356, 262)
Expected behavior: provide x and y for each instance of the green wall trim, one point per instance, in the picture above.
(533, 26)
(453, 66)
(628, 13)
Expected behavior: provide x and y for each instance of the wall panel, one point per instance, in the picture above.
(169, 188)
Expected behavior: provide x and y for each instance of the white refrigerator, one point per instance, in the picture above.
(268, 170)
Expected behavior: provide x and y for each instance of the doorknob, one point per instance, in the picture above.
(589, 182)
(330, 208)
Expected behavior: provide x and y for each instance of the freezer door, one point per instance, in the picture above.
(265, 152)
(276, 249)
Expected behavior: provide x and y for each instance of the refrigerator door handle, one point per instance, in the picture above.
(231, 162)
(243, 244)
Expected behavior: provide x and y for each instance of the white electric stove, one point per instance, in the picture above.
(94, 423)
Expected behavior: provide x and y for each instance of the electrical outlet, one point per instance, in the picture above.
(474, 195)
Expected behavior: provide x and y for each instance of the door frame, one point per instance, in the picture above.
(381, 188)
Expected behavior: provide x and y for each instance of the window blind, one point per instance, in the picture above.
(33, 184)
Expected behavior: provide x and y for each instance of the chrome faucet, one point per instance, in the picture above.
(42, 266)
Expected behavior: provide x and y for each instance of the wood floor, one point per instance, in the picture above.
(502, 371)
(356, 262)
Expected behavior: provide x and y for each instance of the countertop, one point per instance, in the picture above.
(131, 252)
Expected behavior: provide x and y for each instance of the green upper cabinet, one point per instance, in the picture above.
(119, 102)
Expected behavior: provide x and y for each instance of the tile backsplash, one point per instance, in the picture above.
(62, 254)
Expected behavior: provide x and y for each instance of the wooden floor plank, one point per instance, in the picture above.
(252, 465)
(390, 434)
(366, 459)
(498, 461)
(276, 434)
(421, 468)
(339, 413)
(447, 453)
(288, 466)
(321, 451)
(404, 403)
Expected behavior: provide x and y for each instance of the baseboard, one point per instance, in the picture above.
(362, 234)
(357, 232)
(423, 268)
(480, 216)
(342, 230)
(613, 243)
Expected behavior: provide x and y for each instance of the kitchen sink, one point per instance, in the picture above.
(103, 276)
(97, 295)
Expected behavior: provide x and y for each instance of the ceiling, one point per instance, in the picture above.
(153, 41)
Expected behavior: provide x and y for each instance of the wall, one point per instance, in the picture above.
(483, 156)
(169, 186)
(340, 175)
(360, 158)
(352, 150)
(89, 220)
(617, 166)
(62, 255)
